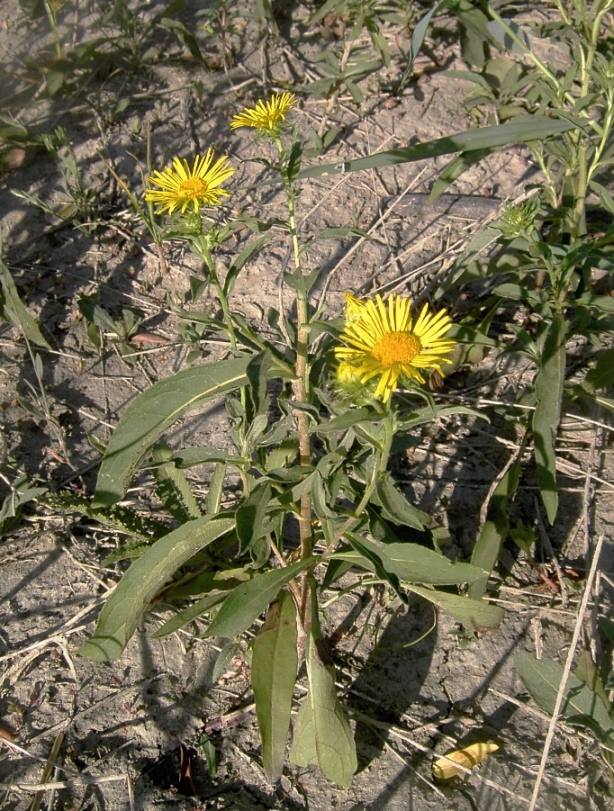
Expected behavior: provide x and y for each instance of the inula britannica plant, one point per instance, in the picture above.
(313, 415)
(320, 401)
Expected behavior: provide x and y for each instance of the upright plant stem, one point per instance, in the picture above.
(301, 385)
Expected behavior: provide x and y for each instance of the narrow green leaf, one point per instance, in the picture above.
(601, 376)
(417, 564)
(476, 615)
(410, 563)
(173, 487)
(416, 43)
(496, 527)
(246, 254)
(520, 130)
(371, 555)
(543, 677)
(190, 613)
(13, 310)
(519, 44)
(250, 599)
(152, 412)
(396, 507)
(251, 515)
(127, 603)
(345, 420)
(322, 734)
(453, 170)
(548, 386)
(274, 666)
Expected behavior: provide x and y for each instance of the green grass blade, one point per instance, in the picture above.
(520, 130)
(124, 608)
(274, 666)
(546, 417)
(150, 415)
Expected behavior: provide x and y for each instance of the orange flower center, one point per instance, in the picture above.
(396, 347)
(193, 187)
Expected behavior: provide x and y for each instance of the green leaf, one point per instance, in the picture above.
(150, 415)
(251, 515)
(410, 562)
(476, 615)
(370, 555)
(496, 526)
(601, 376)
(417, 564)
(274, 666)
(548, 386)
(346, 420)
(322, 734)
(13, 310)
(173, 487)
(520, 130)
(522, 46)
(127, 603)
(246, 254)
(543, 677)
(416, 43)
(249, 600)
(396, 507)
(190, 613)
(453, 170)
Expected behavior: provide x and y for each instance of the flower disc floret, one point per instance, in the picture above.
(381, 339)
(267, 116)
(180, 185)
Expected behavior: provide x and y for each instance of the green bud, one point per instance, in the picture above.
(518, 218)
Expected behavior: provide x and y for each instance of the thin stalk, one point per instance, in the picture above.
(205, 253)
(53, 22)
(301, 384)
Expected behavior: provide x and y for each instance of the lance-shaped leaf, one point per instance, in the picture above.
(143, 580)
(496, 526)
(396, 508)
(13, 310)
(322, 734)
(548, 385)
(150, 415)
(543, 677)
(476, 615)
(249, 600)
(174, 489)
(274, 665)
(251, 515)
(409, 562)
(520, 130)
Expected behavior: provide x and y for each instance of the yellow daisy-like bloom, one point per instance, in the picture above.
(267, 116)
(383, 339)
(179, 185)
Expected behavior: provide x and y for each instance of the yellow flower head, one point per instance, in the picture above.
(267, 116)
(179, 185)
(381, 339)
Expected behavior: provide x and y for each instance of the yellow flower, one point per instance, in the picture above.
(180, 186)
(267, 116)
(384, 340)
